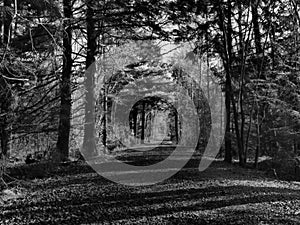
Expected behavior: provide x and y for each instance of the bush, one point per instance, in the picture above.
(285, 169)
(31, 171)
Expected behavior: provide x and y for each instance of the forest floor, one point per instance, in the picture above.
(223, 194)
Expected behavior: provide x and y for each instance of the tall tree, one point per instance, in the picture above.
(62, 146)
(5, 89)
(89, 145)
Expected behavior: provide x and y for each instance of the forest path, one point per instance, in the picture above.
(223, 194)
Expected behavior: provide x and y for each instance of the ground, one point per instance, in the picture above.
(223, 194)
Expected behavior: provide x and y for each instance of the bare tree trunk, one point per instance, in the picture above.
(229, 48)
(5, 103)
(228, 145)
(135, 124)
(259, 70)
(89, 145)
(237, 132)
(227, 64)
(62, 146)
(207, 75)
(227, 37)
(4, 133)
(143, 124)
(7, 20)
(256, 28)
(5, 91)
(257, 152)
(242, 55)
(176, 127)
(248, 132)
(104, 126)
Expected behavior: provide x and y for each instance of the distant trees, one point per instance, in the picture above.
(250, 38)
(154, 118)
(109, 24)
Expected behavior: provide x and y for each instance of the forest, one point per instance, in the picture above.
(111, 109)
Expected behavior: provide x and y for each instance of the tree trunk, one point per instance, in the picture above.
(143, 124)
(229, 36)
(228, 146)
(104, 127)
(62, 146)
(89, 145)
(207, 75)
(4, 133)
(248, 132)
(226, 57)
(5, 91)
(135, 123)
(257, 152)
(242, 55)
(256, 27)
(259, 68)
(7, 19)
(176, 127)
(229, 98)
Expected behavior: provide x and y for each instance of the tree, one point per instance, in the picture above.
(89, 128)
(28, 67)
(5, 89)
(113, 23)
(62, 146)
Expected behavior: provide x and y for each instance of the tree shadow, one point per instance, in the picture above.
(93, 205)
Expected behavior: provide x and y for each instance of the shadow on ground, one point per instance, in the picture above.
(223, 194)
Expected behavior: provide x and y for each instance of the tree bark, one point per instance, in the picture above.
(256, 27)
(4, 133)
(104, 127)
(228, 89)
(257, 152)
(62, 146)
(227, 38)
(228, 146)
(6, 95)
(7, 19)
(259, 69)
(89, 145)
(176, 127)
(135, 123)
(143, 124)
(242, 56)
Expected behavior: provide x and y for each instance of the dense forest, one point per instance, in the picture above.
(141, 81)
(250, 48)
